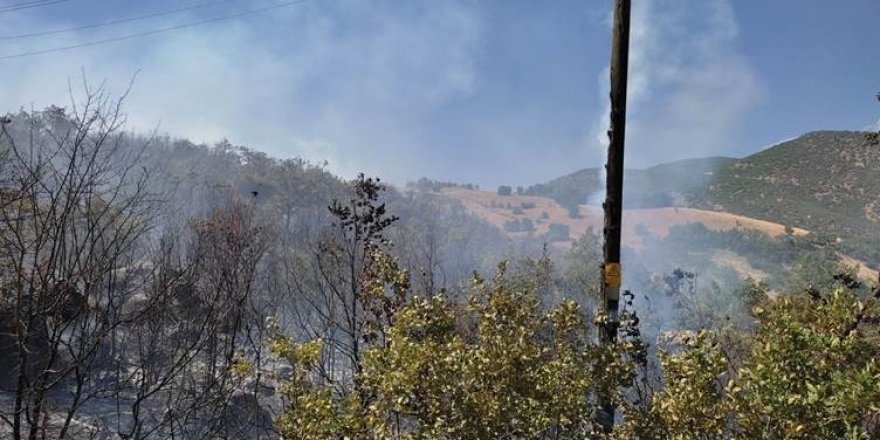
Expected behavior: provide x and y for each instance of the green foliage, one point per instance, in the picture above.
(821, 181)
(580, 269)
(811, 371)
(791, 263)
(363, 217)
(519, 225)
(815, 272)
(501, 365)
(692, 400)
(425, 184)
(509, 379)
(311, 410)
(873, 137)
(494, 367)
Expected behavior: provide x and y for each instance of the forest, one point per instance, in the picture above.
(155, 288)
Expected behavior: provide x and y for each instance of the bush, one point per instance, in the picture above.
(504, 190)
(501, 362)
(497, 363)
(558, 232)
(810, 372)
(512, 226)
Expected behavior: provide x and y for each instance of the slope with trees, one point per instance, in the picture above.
(158, 289)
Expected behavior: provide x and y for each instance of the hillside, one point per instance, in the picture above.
(823, 181)
(542, 212)
(659, 186)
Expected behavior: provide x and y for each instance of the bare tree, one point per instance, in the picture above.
(180, 365)
(74, 206)
(327, 284)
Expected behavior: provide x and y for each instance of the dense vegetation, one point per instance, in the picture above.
(788, 262)
(429, 185)
(499, 365)
(115, 244)
(152, 288)
(823, 181)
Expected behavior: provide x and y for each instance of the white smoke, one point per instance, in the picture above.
(689, 85)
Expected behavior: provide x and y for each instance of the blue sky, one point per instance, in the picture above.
(491, 91)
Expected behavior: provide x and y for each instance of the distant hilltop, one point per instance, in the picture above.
(824, 181)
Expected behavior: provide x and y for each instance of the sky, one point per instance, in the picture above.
(481, 91)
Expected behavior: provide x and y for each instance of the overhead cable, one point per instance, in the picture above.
(113, 21)
(151, 32)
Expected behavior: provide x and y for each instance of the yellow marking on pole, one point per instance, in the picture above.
(612, 274)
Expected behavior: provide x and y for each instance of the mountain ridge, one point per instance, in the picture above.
(825, 181)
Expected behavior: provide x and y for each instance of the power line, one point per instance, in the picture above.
(20, 4)
(29, 5)
(151, 32)
(113, 22)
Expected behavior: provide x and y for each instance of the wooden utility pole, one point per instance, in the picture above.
(611, 274)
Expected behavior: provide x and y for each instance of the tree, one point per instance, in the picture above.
(512, 226)
(212, 312)
(328, 284)
(874, 137)
(813, 272)
(107, 304)
(558, 232)
(74, 208)
(580, 268)
(495, 366)
(810, 372)
(504, 190)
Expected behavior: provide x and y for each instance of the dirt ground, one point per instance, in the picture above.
(499, 209)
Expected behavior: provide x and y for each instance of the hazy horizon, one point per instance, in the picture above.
(470, 91)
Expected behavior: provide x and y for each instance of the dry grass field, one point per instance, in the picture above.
(543, 212)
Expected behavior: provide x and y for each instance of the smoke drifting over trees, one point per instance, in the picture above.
(154, 288)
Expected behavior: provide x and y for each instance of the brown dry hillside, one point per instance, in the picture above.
(543, 212)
